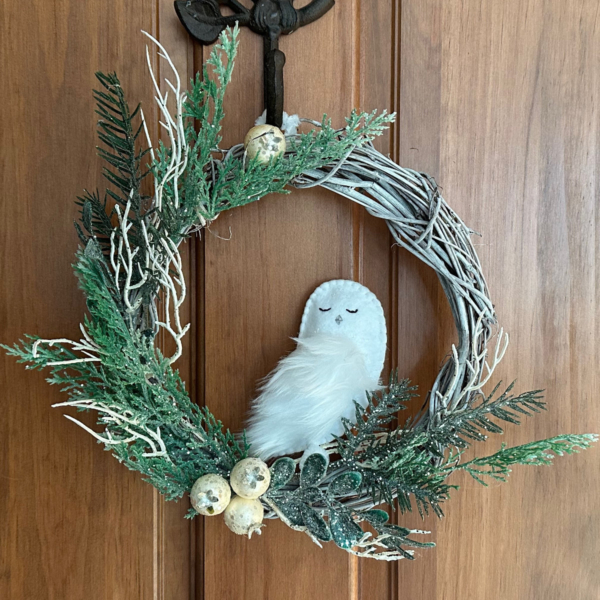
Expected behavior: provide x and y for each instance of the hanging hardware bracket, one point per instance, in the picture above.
(269, 18)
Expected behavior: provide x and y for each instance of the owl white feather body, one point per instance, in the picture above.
(303, 400)
(338, 359)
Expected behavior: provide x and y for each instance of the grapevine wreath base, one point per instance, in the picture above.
(130, 271)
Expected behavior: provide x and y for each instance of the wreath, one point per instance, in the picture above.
(130, 271)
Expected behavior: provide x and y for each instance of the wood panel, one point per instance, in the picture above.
(257, 279)
(73, 522)
(500, 102)
(375, 256)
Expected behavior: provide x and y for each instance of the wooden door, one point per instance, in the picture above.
(500, 101)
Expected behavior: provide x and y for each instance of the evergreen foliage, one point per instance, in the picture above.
(414, 460)
(131, 378)
(404, 465)
(146, 416)
(119, 129)
(134, 381)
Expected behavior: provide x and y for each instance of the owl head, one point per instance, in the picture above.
(349, 309)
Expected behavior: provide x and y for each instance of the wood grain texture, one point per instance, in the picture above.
(257, 280)
(500, 102)
(375, 257)
(73, 522)
(174, 559)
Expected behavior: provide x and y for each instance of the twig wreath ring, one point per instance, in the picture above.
(129, 262)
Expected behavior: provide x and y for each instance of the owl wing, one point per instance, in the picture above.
(301, 403)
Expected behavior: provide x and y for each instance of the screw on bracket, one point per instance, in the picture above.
(269, 18)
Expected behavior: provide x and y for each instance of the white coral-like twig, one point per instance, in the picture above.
(111, 415)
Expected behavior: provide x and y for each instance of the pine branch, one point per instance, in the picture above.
(95, 219)
(117, 132)
(146, 416)
(238, 183)
(412, 463)
(124, 171)
(461, 428)
(381, 410)
(497, 465)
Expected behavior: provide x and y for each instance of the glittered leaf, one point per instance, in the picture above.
(345, 484)
(92, 249)
(415, 544)
(314, 470)
(315, 523)
(282, 471)
(375, 516)
(292, 511)
(397, 530)
(399, 537)
(312, 494)
(394, 544)
(345, 532)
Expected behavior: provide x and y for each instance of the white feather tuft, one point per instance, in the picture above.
(290, 122)
(302, 401)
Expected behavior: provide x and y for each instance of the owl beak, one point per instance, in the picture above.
(339, 319)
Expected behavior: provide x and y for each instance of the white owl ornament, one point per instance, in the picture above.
(339, 358)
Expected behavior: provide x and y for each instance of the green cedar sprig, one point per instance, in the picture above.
(136, 381)
(215, 180)
(414, 460)
(238, 182)
(497, 465)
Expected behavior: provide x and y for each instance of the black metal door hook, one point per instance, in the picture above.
(269, 18)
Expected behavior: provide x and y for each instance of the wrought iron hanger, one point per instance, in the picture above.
(269, 18)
